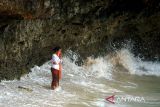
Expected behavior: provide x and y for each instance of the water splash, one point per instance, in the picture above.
(132, 64)
(84, 86)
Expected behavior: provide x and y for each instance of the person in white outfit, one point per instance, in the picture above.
(56, 68)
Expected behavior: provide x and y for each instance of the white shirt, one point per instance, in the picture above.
(55, 61)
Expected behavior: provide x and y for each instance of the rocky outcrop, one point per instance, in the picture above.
(29, 29)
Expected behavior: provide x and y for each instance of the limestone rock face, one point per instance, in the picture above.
(29, 29)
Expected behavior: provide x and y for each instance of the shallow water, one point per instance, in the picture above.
(87, 86)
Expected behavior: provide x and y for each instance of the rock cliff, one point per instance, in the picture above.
(29, 29)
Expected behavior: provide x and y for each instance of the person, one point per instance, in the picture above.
(56, 68)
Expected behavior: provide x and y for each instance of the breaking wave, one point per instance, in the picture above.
(81, 86)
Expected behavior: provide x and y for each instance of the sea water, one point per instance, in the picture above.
(131, 81)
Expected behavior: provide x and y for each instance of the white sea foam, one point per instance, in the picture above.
(79, 85)
(134, 65)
